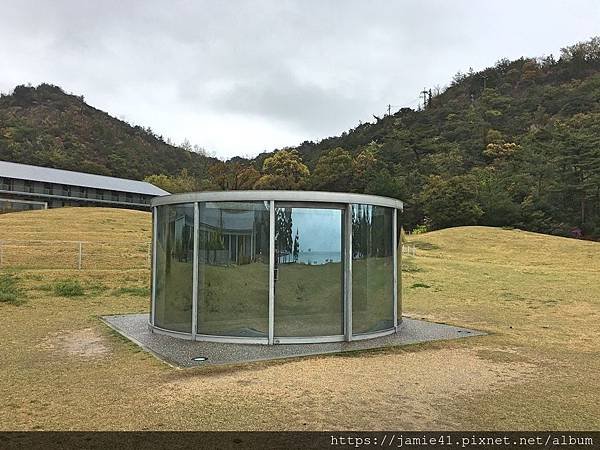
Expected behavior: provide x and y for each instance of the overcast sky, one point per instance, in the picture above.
(240, 77)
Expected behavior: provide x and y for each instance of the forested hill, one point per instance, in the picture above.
(45, 126)
(517, 144)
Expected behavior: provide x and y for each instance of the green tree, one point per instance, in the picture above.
(494, 198)
(365, 168)
(233, 175)
(333, 171)
(283, 170)
(451, 202)
(183, 182)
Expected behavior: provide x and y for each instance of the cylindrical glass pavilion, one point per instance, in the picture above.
(271, 267)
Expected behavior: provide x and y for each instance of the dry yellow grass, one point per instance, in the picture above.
(50, 239)
(538, 296)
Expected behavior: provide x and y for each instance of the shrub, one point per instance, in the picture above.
(419, 229)
(9, 290)
(68, 288)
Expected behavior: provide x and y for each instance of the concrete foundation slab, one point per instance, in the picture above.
(184, 353)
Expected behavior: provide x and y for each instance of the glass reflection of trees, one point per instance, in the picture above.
(372, 269)
(284, 243)
(233, 269)
(174, 267)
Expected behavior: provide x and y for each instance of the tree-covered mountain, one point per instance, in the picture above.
(517, 144)
(45, 126)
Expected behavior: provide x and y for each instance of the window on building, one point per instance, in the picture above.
(99, 194)
(8, 184)
(66, 190)
(114, 196)
(28, 186)
(83, 192)
(48, 189)
(129, 198)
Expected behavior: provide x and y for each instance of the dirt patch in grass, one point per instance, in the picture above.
(86, 343)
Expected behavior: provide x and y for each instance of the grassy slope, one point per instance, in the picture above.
(538, 296)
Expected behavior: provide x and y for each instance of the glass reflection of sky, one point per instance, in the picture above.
(319, 230)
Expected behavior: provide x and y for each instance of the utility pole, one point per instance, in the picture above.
(389, 110)
(485, 77)
(424, 93)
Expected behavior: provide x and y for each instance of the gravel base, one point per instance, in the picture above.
(180, 352)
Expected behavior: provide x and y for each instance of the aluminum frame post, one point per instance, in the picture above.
(153, 271)
(195, 269)
(395, 253)
(348, 274)
(271, 271)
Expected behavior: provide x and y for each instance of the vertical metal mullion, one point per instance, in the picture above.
(271, 271)
(153, 269)
(348, 274)
(395, 250)
(195, 269)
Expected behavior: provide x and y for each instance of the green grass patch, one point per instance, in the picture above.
(69, 288)
(134, 291)
(95, 288)
(10, 292)
(420, 285)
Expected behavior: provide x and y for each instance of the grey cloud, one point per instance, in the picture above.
(278, 71)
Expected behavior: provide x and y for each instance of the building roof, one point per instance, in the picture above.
(59, 176)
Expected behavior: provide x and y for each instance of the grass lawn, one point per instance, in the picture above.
(537, 296)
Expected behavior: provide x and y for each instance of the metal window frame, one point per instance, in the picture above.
(292, 199)
(348, 275)
(395, 259)
(90, 201)
(196, 232)
(342, 207)
(153, 273)
(271, 338)
(278, 196)
(29, 202)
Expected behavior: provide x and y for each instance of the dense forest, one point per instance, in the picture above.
(516, 144)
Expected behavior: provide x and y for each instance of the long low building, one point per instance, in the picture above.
(25, 187)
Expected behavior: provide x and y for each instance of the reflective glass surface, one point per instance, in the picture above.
(233, 269)
(399, 265)
(372, 269)
(309, 272)
(174, 272)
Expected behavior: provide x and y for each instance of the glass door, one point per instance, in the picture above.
(309, 272)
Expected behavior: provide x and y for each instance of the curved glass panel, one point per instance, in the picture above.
(174, 267)
(372, 269)
(309, 272)
(399, 267)
(233, 269)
